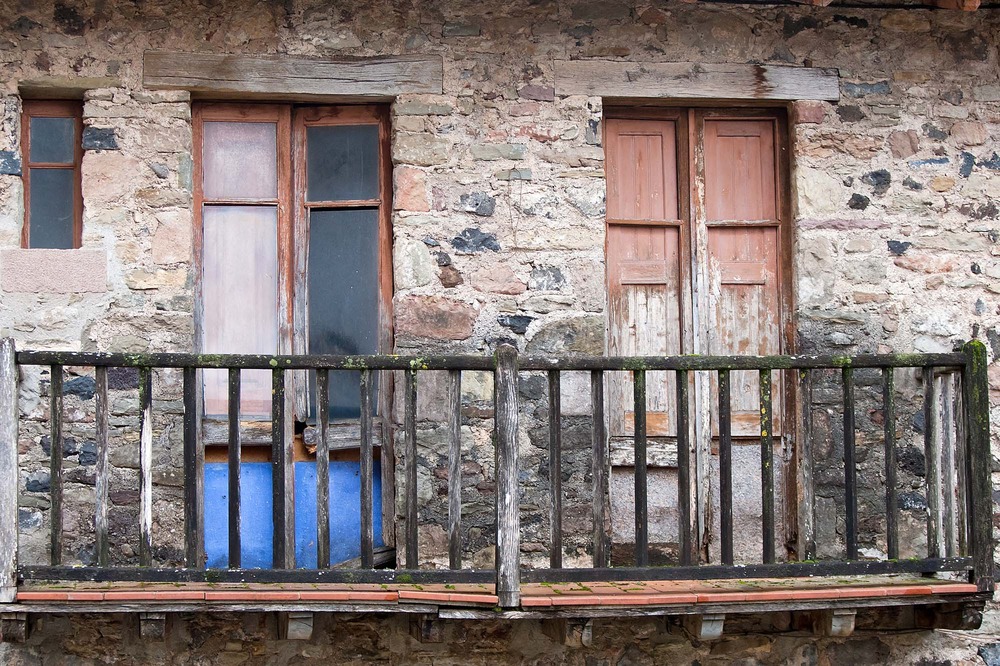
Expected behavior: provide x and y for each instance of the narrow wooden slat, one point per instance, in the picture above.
(410, 455)
(932, 462)
(555, 469)
(102, 469)
(726, 466)
(639, 437)
(961, 467)
(508, 558)
(55, 464)
(323, 469)
(599, 443)
(235, 454)
(283, 554)
(367, 470)
(146, 466)
(455, 469)
(804, 454)
(194, 474)
(850, 466)
(978, 461)
(948, 464)
(767, 466)
(684, 469)
(889, 437)
(9, 477)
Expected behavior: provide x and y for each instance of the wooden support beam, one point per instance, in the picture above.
(570, 632)
(964, 616)
(8, 471)
(837, 622)
(295, 625)
(14, 627)
(707, 627)
(427, 629)
(152, 626)
(508, 557)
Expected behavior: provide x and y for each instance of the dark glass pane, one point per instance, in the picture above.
(51, 213)
(240, 160)
(343, 296)
(52, 140)
(342, 162)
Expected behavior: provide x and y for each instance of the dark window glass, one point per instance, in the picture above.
(342, 162)
(53, 140)
(343, 297)
(51, 213)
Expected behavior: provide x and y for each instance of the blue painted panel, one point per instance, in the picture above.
(255, 507)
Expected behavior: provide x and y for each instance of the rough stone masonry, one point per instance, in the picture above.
(498, 222)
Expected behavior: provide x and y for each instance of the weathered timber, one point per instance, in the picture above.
(323, 469)
(14, 627)
(705, 627)
(366, 468)
(157, 574)
(948, 496)
(145, 466)
(641, 506)
(555, 469)
(455, 469)
(295, 626)
(508, 539)
(976, 400)
(804, 455)
(836, 622)
(889, 439)
(283, 555)
(8, 470)
(410, 465)
(599, 446)
(152, 626)
(102, 471)
(766, 466)
(426, 629)
(726, 466)
(194, 474)
(55, 463)
(932, 463)
(687, 80)
(235, 455)
(684, 470)
(217, 74)
(850, 466)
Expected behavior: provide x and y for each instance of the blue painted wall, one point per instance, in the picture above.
(255, 508)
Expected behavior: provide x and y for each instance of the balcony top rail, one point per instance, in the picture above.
(967, 524)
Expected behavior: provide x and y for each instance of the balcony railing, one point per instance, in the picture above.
(958, 518)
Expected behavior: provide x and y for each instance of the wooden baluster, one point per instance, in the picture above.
(767, 466)
(508, 559)
(410, 454)
(599, 443)
(726, 466)
(850, 466)
(555, 469)
(684, 469)
(366, 469)
(932, 461)
(455, 469)
(323, 469)
(889, 437)
(235, 456)
(146, 467)
(639, 452)
(102, 469)
(55, 463)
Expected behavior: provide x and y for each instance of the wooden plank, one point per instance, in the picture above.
(947, 464)
(725, 468)
(850, 466)
(367, 469)
(932, 463)
(455, 469)
(804, 455)
(102, 469)
(410, 466)
(599, 446)
(158, 574)
(961, 469)
(323, 469)
(283, 75)
(235, 454)
(145, 466)
(555, 469)
(978, 461)
(684, 470)
(687, 80)
(641, 504)
(9, 480)
(508, 558)
(194, 473)
(283, 554)
(766, 467)
(889, 437)
(55, 464)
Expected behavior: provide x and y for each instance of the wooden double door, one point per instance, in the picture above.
(697, 263)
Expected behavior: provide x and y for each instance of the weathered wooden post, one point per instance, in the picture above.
(8, 471)
(508, 559)
(978, 460)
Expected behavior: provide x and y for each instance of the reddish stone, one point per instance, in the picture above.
(538, 93)
(498, 280)
(542, 134)
(524, 109)
(925, 263)
(450, 277)
(653, 16)
(904, 144)
(411, 190)
(434, 317)
(968, 133)
(809, 112)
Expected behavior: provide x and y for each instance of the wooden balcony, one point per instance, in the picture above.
(955, 572)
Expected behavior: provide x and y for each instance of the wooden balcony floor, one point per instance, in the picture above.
(478, 600)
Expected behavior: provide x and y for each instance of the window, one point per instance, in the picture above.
(295, 242)
(51, 152)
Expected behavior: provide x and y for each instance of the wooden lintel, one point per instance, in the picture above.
(219, 74)
(706, 627)
(152, 626)
(688, 80)
(296, 625)
(14, 627)
(426, 629)
(961, 5)
(837, 622)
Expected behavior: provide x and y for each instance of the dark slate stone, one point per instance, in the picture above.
(516, 323)
(853, 21)
(932, 161)
(480, 203)
(99, 138)
(986, 211)
(976, 269)
(161, 170)
(10, 163)
(990, 654)
(968, 161)
(68, 19)
(593, 134)
(443, 258)
(912, 501)
(430, 242)
(917, 422)
(581, 31)
(993, 337)
(123, 378)
(980, 307)
(865, 89)
(794, 25)
(953, 97)
(546, 278)
(460, 30)
(81, 386)
(911, 460)
(850, 113)
(968, 45)
(29, 519)
(858, 651)
(933, 132)
(473, 240)
(70, 445)
(24, 25)
(993, 163)
(535, 387)
(88, 453)
(911, 184)
(37, 482)
(858, 201)
(880, 180)
(898, 248)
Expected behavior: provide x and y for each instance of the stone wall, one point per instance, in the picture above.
(499, 221)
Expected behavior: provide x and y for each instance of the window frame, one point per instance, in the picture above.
(38, 108)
